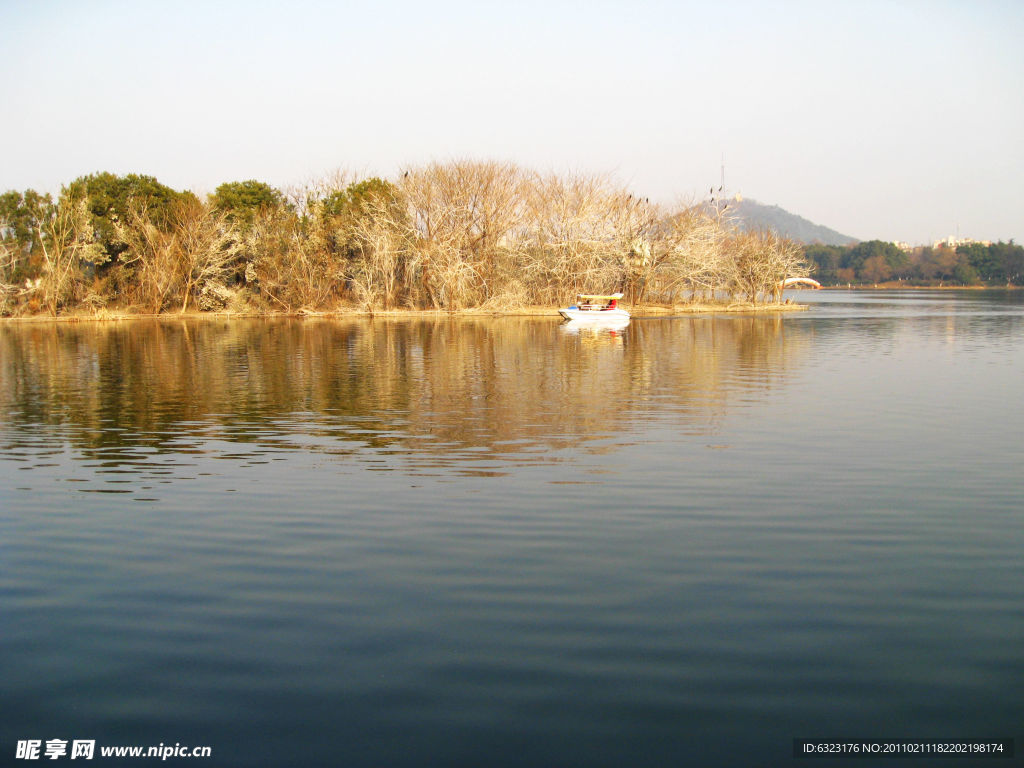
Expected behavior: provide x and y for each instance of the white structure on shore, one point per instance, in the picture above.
(947, 242)
(954, 241)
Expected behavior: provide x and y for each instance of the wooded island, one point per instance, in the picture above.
(445, 236)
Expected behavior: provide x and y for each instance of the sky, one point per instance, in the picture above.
(890, 120)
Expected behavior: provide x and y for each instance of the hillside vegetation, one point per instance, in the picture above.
(752, 215)
(837, 259)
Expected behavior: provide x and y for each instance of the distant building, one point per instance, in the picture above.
(955, 242)
(905, 247)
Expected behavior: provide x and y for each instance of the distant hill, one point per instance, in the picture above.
(755, 215)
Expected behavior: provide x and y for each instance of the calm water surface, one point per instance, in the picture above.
(500, 542)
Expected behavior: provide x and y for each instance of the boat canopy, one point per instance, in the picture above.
(599, 296)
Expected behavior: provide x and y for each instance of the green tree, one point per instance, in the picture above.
(22, 213)
(983, 260)
(1010, 258)
(344, 211)
(110, 197)
(896, 262)
(825, 259)
(243, 201)
(21, 217)
(354, 199)
(964, 273)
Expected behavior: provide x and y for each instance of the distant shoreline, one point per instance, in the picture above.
(897, 286)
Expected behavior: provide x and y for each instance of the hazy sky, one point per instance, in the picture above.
(891, 120)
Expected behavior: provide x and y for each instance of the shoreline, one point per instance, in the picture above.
(353, 313)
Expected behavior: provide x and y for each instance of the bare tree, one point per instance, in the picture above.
(694, 247)
(290, 262)
(385, 256)
(209, 248)
(304, 198)
(9, 249)
(463, 213)
(66, 239)
(153, 255)
(577, 238)
(638, 233)
(763, 260)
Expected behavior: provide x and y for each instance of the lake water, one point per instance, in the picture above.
(466, 542)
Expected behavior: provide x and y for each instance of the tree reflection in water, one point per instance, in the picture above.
(461, 391)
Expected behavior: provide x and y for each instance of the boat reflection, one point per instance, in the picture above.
(605, 330)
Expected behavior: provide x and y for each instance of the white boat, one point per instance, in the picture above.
(596, 308)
